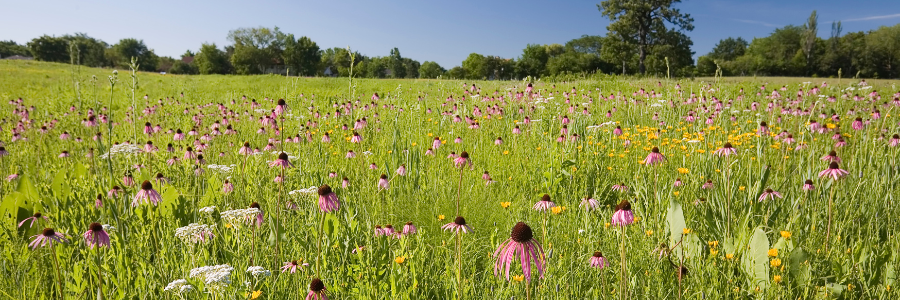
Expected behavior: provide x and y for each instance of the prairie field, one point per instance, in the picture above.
(146, 186)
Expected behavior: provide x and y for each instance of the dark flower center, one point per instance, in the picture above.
(545, 197)
(96, 227)
(769, 191)
(598, 254)
(159, 176)
(383, 176)
(37, 215)
(409, 223)
(254, 205)
(763, 124)
(388, 226)
(521, 233)
(146, 185)
(48, 232)
(728, 146)
(655, 150)
(147, 124)
(324, 190)
(832, 153)
(316, 285)
(247, 144)
(283, 156)
(833, 165)
(624, 205)
(464, 154)
(810, 182)
(189, 149)
(281, 102)
(459, 221)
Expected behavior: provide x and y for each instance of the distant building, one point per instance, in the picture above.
(187, 59)
(19, 57)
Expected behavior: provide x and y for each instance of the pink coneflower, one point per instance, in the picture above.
(98, 203)
(292, 266)
(857, 124)
(589, 204)
(769, 193)
(96, 236)
(279, 109)
(373, 166)
(36, 217)
(160, 179)
(278, 179)
(345, 182)
(808, 185)
(498, 141)
(127, 180)
(282, 161)
(114, 192)
(544, 204)
(147, 193)
(64, 154)
(379, 231)
(401, 170)
(3, 151)
(462, 160)
(654, 157)
(895, 140)
(429, 152)
(245, 150)
(227, 187)
(458, 140)
(179, 135)
(598, 261)
(260, 217)
(350, 154)
(408, 229)
(620, 187)
(189, 153)
(707, 185)
(458, 225)
(383, 182)
(356, 138)
(521, 243)
(12, 177)
(763, 128)
(833, 171)
(316, 286)
(677, 182)
(328, 200)
(726, 150)
(326, 138)
(831, 157)
(436, 143)
(618, 130)
(332, 175)
(623, 215)
(46, 238)
(840, 143)
(388, 230)
(516, 130)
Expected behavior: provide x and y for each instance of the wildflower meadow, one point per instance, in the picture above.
(133, 185)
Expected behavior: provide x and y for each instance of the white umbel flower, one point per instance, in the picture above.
(195, 233)
(258, 272)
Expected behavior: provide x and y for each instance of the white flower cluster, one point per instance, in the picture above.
(367, 153)
(195, 233)
(179, 286)
(208, 209)
(245, 215)
(214, 276)
(107, 228)
(223, 169)
(258, 272)
(304, 192)
(127, 149)
(261, 110)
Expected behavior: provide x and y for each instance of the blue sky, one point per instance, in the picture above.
(441, 31)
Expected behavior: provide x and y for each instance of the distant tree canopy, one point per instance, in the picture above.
(645, 37)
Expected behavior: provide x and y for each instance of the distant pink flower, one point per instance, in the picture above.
(589, 204)
(521, 243)
(146, 194)
(516, 130)
(11, 177)
(409, 228)
(677, 182)
(623, 215)
(707, 185)
(654, 157)
(36, 217)
(436, 143)
(328, 200)
(544, 204)
(227, 187)
(833, 171)
(383, 183)
(769, 193)
(317, 287)
(401, 170)
(46, 238)
(462, 160)
(350, 154)
(245, 150)
(356, 138)
(620, 187)
(458, 225)
(831, 157)
(808, 185)
(598, 261)
(292, 266)
(726, 150)
(282, 161)
(96, 236)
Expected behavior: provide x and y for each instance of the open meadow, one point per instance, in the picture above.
(149, 186)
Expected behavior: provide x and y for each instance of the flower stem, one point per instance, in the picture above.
(100, 274)
(828, 229)
(319, 245)
(58, 276)
(458, 267)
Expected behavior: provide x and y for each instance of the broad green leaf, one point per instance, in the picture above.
(755, 260)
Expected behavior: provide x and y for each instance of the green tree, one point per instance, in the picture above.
(10, 48)
(48, 48)
(211, 60)
(128, 48)
(256, 49)
(810, 36)
(475, 66)
(412, 67)
(729, 49)
(644, 23)
(885, 45)
(616, 51)
(430, 69)
(533, 61)
(301, 55)
(457, 72)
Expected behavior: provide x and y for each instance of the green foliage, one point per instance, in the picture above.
(648, 24)
(430, 69)
(122, 52)
(10, 48)
(48, 48)
(211, 60)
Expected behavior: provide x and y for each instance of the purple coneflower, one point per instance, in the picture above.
(36, 217)
(458, 224)
(589, 203)
(147, 193)
(544, 204)
(409, 229)
(654, 157)
(292, 266)
(619, 187)
(462, 160)
(96, 236)
(46, 238)
(356, 138)
(726, 150)
(317, 288)
(280, 107)
(677, 182)
(114, 192)
(769, 193)
(598, 261)
(833, 171)
(831, 157)
(99, 202)
(623, 215)
(245, 150)
(808, 185)
(328, 200)
(345, 182)
(227, 187)
(128, 180)
(282, 161)
(521, 243)
(707, 185)
(383, 182)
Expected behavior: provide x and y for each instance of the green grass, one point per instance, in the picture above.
(725, 260)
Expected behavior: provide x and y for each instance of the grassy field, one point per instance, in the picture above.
(716, 218)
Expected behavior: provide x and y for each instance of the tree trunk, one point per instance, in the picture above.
(643, 55)
(623, 67)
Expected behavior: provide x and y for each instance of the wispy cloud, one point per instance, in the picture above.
(873, 18)
(757, 22)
